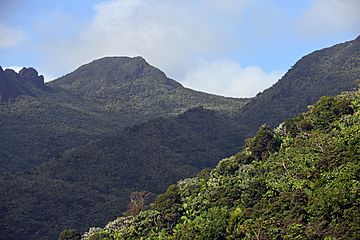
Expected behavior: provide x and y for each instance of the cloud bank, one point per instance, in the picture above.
(232, 79)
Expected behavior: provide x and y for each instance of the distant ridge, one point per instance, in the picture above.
(325, 72)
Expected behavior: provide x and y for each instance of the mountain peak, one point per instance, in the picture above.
(119, 61)
(122, 68)
(30, 74)
(102, 75)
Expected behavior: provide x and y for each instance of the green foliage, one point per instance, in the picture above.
(210, 224)
(301, 183)
(100, 235)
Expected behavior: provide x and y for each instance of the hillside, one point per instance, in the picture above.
(299, 181)
(35, 129)
(151, 155)
(96, 180)
(325, 72)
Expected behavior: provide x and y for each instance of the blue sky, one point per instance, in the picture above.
(227, 47)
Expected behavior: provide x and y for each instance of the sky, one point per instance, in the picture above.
(232, 48)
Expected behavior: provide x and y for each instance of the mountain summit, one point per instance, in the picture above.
(133, 87)
(99, 76)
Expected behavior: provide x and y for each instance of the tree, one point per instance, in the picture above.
(137, 202)
(263, 143)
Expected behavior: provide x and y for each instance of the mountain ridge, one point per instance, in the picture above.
(328, 71)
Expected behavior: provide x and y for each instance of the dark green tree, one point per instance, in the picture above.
(263, 143)
(69, 234)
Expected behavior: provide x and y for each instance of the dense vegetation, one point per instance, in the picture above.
(79, 146)
(149, 157)
(299, 181)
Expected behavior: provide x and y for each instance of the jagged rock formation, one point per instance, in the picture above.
(32, 76)
(26, 82)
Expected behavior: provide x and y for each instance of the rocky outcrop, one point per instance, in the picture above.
(32, 76)
(26, 82)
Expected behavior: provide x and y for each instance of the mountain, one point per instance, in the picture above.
(132, 87)
(299, 181)
(98, 99)
(78, 150)
(325, 72)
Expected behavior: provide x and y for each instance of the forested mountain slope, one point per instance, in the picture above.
(97, 179)
(325, 72)
(299, 181)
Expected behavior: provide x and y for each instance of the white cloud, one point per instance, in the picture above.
(329, 17)
(9, 36)
(226, 77)
(169, 34)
